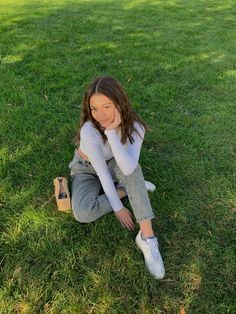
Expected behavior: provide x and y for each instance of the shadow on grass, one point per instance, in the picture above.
(175, 61)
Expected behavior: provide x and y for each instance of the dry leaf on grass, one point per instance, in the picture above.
(182, 310)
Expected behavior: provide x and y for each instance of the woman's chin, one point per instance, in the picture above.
(104, 125)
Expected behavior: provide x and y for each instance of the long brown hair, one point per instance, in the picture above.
(113, 89)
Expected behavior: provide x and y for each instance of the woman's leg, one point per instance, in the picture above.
(146, 228)
(145, 239)
(146, 224)
(138, 196)
(87, 203)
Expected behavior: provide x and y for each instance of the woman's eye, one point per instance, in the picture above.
(107, 107)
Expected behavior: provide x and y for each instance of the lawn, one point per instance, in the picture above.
(176, 60)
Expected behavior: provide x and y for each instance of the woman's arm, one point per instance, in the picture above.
(126, 156)
(94, 153)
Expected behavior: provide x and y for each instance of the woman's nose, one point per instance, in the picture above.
(102, 114)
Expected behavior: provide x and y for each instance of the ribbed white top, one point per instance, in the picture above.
(126, 156)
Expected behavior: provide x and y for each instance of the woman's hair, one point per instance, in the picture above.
(111, 88)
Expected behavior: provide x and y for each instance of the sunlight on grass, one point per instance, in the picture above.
(27, 221)
(17, 153)
(103, 305)
(221, 7)
(12, 58)
(219, 58)
(191, 282)
(142, 34)
(135, 3)
(4, 154)
(107, 44)
(230, 73)
(203, 56)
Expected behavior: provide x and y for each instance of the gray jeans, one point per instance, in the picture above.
(88, 199)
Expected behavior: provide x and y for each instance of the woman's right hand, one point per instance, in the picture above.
(125, 218)
(116, 123)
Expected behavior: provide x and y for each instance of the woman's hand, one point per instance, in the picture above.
(125, 218)
(117, 121)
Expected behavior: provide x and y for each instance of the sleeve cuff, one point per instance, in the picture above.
(119, 208)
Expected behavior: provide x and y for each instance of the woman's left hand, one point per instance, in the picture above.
(117, 121)
(125, 218)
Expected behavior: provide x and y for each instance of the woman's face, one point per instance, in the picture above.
(102, 109)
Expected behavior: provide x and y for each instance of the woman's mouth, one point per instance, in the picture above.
(102, 122)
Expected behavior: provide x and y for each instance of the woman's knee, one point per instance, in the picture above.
(136, 172)
(78, 211)
(82, 217)
(81, 214)
(138, 168)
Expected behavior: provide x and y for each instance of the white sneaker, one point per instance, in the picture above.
(150, 186)
(152, 256)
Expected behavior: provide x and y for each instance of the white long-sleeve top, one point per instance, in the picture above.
(126, 156)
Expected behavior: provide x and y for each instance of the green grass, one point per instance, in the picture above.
(176, 59)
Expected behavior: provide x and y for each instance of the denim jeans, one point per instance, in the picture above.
(88, 199)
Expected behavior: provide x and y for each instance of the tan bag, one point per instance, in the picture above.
(62, 194)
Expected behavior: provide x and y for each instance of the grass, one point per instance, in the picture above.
(176, 60)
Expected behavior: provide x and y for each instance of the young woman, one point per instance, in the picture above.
(105, 167)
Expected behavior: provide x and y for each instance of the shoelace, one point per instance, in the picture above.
(153, 244)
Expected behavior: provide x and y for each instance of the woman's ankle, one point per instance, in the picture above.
(146, 228)
(147, 235)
